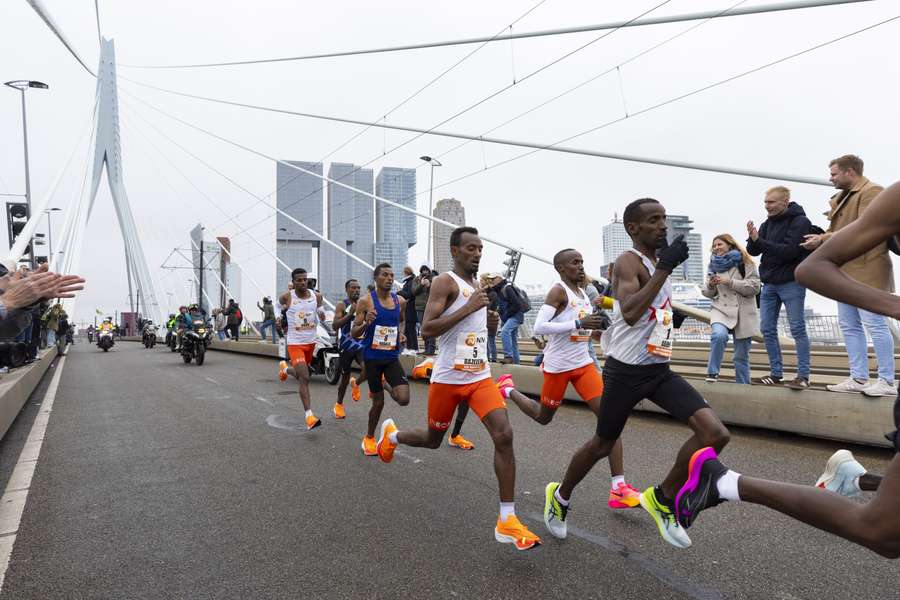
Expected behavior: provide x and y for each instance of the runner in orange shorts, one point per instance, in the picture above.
(568, 320)
(457, 312)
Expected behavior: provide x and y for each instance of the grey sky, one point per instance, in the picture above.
(790, 118)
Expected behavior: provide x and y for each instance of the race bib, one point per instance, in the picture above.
(304, 320)
(384, 338)
(660, 342)
(581, 335)
(471, 352)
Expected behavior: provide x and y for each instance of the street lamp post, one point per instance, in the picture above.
(434, 163)
(22, 85)
(47, 212)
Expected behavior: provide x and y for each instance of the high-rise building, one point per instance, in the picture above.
(208, 267)
(351, 225)
(395, 229)
(299, 195)
(452, 211)
(615, 240)
(694, 268)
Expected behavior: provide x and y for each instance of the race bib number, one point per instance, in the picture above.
(471, 352)
(304, 320)
(660, 342)
(384, 338)
(581, 335)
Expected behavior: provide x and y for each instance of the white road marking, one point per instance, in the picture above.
(12, 504)
(266, 401)
(211, 380)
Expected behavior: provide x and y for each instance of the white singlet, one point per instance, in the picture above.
(462, 350)
(569, 350)
(302, 319)
(650, 339)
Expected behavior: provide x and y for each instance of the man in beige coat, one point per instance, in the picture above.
(872, 268)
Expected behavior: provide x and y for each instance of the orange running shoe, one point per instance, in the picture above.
(354, 390)
(511, 531)
(624, 496)
(282, 371)
(312, 421)
(339, 412)
(458, 441)
(368, 446)
(385, 447)
(505, 382)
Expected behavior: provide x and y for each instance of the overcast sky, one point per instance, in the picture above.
(791, 118)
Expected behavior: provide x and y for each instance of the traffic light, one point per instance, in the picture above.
(16, 219)
(511, 264)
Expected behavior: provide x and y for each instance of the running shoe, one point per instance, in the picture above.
(701, 490)
(842, 473)
(339, 412)
(624, 496)
(554, 511)
(880, 387)
(368, 446)
(385, 447)
(458, 441)
(712, 377)
(282, 371)
(848, 386)
(511, 531)
(354, 390)
(312, 421)
(664, 516)
(504, 383)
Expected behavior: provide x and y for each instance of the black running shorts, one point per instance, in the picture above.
(346, 360)
(625, 385)
(392, 371)
(895, 436)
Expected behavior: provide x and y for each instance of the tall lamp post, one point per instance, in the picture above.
(434, 163)
(47, 212)
(22, 85)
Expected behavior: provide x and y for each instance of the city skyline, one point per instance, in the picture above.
(452, 211)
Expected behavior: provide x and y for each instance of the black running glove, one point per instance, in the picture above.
(672, 255)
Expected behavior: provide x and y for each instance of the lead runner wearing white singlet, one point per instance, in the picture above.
(302, 319)
(568, 350)
(462, 349)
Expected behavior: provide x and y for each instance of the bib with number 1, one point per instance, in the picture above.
(384, 338)
(471, 352)
(304, 320)
(660, 342)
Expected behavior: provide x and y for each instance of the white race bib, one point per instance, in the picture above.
(304, 320)
(471, 352)
(660, 342)
(581, 335)
(384, 338)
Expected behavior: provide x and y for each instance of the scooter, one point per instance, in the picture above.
(326, 355)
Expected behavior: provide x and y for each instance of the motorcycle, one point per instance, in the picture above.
(149, 337)
(194, 343)
(105, 340)
(326, 355)
(172, 340)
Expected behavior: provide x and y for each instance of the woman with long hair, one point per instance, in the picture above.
(733, 285)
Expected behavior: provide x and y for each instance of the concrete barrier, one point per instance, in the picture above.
(17, 385)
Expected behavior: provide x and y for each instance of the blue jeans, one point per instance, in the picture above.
(852, 320)
(492, 347)
(221, 333)
(509, 334)
(717, 342)
(266, 325)
(793, 296)
(51, 337)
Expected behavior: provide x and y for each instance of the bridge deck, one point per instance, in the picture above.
(158, 480)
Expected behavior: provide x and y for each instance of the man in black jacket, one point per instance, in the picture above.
(778, 241)
(406, 292)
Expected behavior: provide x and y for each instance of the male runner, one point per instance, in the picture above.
(568, 320)
(379, 322)
(303, 310)
(638, 348)
(457, 312)
(351, 349)
(875, 525)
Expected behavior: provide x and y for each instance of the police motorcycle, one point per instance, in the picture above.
(195, 341)
(105, 339)
(148, 336)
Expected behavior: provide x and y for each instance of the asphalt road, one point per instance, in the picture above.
(164, 480)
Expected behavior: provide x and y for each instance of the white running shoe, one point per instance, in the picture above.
(848, 386)
(842, 473)
(880, 387)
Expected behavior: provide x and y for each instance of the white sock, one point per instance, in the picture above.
(309, 413)
(393, 436)
(507, 391)
(728, 486)
(506, 509)
(615, 481)
(559, 498)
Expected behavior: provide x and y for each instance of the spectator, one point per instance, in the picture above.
(778, 240)
(268, 310)
(420, 289)
(235, 317)
(512, 313)
(220, 322)
(487, 282)
(62, 330)
(733, 285)
(406, 292)
(51, 318)
(872, 268)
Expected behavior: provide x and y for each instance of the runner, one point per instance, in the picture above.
(568, 320)
(875, 525)
(638, 348)
(457, 312)
(303, 310)
(378, 321)
(351, 349)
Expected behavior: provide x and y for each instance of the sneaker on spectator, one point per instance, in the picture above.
(712, 377)
(799, 383)
(880, 387)
(848, 386)
(770, 380)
